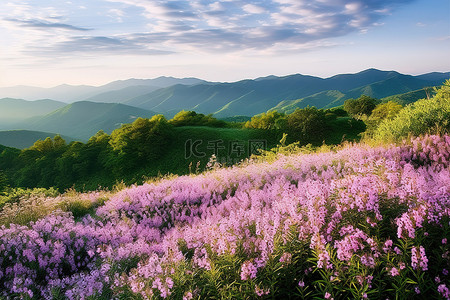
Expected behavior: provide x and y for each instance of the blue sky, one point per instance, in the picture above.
(50, 42)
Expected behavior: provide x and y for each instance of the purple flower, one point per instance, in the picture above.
(394, 272)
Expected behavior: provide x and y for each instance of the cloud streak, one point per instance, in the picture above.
(164, 27)
(46, 25)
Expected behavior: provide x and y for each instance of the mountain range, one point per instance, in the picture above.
(250, 97)
(83, 119)
(13, 111)
(83, 110)
(72, 93)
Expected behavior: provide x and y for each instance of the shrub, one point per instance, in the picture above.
(430, 116)
(139, 143)
(307, 125)
(383, 111)
(269, 120)
(361, 107)
(191, 118)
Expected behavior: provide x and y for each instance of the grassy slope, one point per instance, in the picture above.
(176, 162)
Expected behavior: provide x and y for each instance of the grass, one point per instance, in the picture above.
(180, 157)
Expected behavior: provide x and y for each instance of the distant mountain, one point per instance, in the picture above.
(72, 93)
(17, 110)
(22, 139)
(83, 119)
(64, 92)
(168, 95)
(250, 97)
(122, 95)
(435, 76)
(160, 82)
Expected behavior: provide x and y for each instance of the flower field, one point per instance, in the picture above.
(358, 223)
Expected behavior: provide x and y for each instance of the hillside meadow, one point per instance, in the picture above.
(367, 220)
(359, 222)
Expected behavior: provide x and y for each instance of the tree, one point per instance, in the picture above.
(307, 125)
(361, 107)
(191, 118)
(383, 111)
(269, 120)
(140, 143)
(426, 116)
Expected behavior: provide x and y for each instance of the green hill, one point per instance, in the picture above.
(410, 97)
(22, 139)
(16, 110)
(83, 119)
(320, 100)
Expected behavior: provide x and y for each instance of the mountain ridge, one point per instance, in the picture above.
(250, 97)
(83, 119)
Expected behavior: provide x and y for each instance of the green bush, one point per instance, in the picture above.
(426, 116)
(308, 125)
(383, 111)
(142, 142)
(269, 120)
(361, 107)
(191, 118)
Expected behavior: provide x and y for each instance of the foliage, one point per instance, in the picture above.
(361, 107)
(357, 223)
(191, 118)
(282, 149)
(3, 182)
(307, 125)
(383, 111)
(16, 194)
(142, 142)
(386, 110)
(270, 120)
(424, 116)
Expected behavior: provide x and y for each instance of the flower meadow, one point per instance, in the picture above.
(360, 223)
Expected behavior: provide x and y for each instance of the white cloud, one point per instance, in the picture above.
(199, 25)
(254, 9)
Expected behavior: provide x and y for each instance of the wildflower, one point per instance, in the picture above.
(394, 272)
(248, 270)
(188, 296)
(301, 283)
(387, 245)
(444, 291)
(260, 292)
(286, 258)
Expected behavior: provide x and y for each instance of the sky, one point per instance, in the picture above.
(51, 42)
